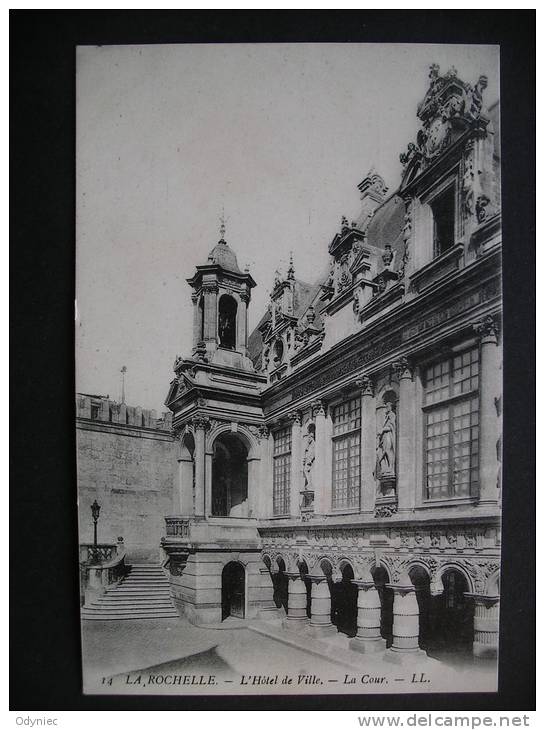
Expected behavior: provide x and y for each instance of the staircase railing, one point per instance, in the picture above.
(101, 566)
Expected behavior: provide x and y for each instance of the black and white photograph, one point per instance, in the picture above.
(289, 368)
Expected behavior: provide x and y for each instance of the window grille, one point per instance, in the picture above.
(451, 426)
(346, 418)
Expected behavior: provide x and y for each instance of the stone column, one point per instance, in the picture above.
(486, 626)
(406, 627)
(406, 425)
(297, 602)
(322, 480)
(368, 444)
(490, 389)
(296, 458)
(368, 638)
(200, 426)
(320, 607)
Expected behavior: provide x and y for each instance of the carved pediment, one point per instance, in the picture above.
(448, 109)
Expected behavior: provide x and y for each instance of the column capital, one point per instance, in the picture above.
(365, 585)
(487, 329)
(263, 431)
(318, 408)
(209, 287)
(201, 422)
(195, 297)
(295, 417)
(402, 369)
(316, 578)
(483, 599)
(293, 575)
(366, 384)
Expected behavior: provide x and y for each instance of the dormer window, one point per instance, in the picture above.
(443, 221)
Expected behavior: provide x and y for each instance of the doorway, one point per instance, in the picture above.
(232, 591)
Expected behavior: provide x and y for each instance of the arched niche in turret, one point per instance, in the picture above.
(227, 322)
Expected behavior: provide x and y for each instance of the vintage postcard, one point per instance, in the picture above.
(289, 368)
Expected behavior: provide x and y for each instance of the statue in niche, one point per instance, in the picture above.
(386, 443)
(308, 460)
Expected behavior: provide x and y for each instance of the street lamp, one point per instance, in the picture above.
(95, 511)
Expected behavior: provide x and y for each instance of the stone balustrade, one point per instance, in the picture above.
(100, 567)
(177, 527)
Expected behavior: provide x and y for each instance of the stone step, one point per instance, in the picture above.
(144, 593)
(129, 616)
(142, 606)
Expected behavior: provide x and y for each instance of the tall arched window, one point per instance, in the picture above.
(227, 321)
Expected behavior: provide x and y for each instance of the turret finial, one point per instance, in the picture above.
(291, 269)
(222, 226)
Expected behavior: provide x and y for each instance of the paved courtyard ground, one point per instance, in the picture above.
(175, 657)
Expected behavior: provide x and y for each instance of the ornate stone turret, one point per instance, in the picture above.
(221, 296)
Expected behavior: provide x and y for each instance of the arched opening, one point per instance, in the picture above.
(186, 463)
(227, 322)
(386, 595)
(421, 582)
(229, 477)
(278, 352)
(232, 591)
(201, 318)
(344, 600)
(280, 586)
(451, 630)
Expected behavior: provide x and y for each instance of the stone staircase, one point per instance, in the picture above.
(143, 594)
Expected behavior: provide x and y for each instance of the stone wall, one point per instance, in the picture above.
(130, 470)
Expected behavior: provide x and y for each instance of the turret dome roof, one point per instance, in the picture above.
(224, 256)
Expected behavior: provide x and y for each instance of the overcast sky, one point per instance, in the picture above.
(280, 135)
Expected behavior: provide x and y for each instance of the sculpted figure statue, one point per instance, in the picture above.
(386, 448)
(308, 460)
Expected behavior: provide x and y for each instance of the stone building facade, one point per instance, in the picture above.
(127, 462)
(340, 466)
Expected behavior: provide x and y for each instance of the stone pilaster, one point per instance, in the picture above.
(406, 430)
(197, 334)
(486, 626)
(322, 480)
(368, 638)
(265, 507)
(490, 389)
(320, 607)
(297, 602)
(268, 609)
(368, 444)
(210, 293)
(295, 473)
(200, 426)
